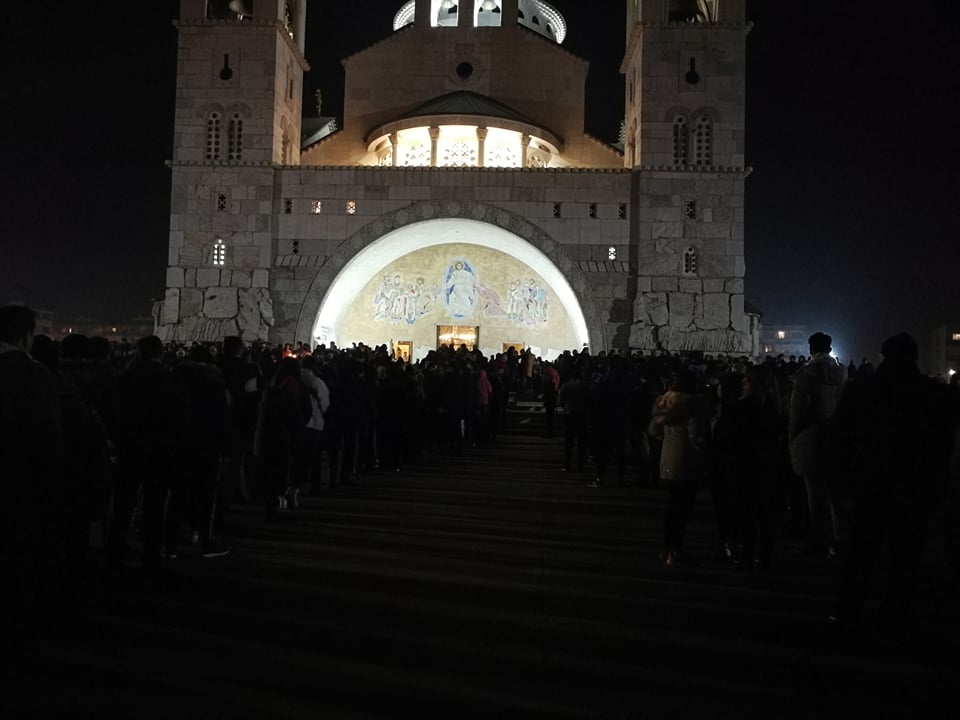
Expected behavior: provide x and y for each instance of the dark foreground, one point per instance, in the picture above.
(484, 585)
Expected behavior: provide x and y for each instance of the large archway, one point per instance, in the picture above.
(420, 272)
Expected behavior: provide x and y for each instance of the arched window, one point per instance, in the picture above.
(690, 265)
(703, 139)
(681, 140)
(235, 137)
(213, 136)
(285, 148)
(219, 253)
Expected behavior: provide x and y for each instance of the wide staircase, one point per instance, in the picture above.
(484, 584)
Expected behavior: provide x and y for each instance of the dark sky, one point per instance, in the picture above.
(851, 209)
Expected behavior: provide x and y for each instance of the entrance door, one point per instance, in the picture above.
(403, 350)
(457, 335)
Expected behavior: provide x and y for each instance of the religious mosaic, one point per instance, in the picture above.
(520, 302)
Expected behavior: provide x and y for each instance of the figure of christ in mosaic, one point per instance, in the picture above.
(460, 289)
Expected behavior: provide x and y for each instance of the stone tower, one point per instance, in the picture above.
(685, 68)
(238, 115)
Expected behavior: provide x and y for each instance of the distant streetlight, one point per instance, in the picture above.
(951, 372)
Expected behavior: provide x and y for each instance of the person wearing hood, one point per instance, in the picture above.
(816, 392)
(898, 431)
(679, 422)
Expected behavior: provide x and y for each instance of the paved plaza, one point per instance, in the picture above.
(488, 584)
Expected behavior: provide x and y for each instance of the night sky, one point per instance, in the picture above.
(851, 208)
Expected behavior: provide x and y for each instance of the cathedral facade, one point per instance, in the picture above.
(461, 199)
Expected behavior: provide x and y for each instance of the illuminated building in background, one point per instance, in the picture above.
(460, 197)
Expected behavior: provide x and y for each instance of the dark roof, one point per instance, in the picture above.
(314, 129)
(464, 102)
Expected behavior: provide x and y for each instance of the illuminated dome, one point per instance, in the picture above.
(536, 15)
(464, 129)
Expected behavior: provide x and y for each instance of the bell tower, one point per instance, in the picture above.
(685, 83)
(685, 67)
(238, 116)
(240, 81)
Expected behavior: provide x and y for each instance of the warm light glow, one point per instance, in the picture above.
(951, 372)
(219, 252)
(343, 291)
(956, 337)
(316, 207)
(781, 335)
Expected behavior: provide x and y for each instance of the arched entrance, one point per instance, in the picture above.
(427, 279)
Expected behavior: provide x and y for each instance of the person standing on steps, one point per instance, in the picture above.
(679, 422)
(816, 392)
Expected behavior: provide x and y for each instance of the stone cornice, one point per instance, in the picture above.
(690, 170)
(425, 169)
(745, 26)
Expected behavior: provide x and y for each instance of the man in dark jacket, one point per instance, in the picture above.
(153, 409)
(30, 455)
(898, 430)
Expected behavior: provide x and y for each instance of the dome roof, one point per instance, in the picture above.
(536, 15)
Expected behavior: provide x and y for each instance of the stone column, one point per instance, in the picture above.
(524, 149)
(393, 148)
(434, 136)
(481, 141)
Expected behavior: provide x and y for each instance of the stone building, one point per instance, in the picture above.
(944, 360)
(460, 199)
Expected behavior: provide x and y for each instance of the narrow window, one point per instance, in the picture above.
(690, 261)
(690, 210)
(592, 210)
(316, 207)
(351, 207)
(704, 141)
(213, 136)
(622, 212)
(681, 140)
(557, 210)
(296, 247)
(219, 253)
(288, 207)
(221, 202)
(235, 137)
(611, 253)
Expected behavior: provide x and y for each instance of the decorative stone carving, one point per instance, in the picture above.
(716, 311)
(171, 305)
(220, 302)
(191, 302)
(208, 277)
(681, 309)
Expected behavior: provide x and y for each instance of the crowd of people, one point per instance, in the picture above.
(161, 440)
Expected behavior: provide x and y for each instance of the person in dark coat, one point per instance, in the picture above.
(151, 440)
(755, 442)
(279, 431)
(208, 442)
(897, 431)
(30, 457)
